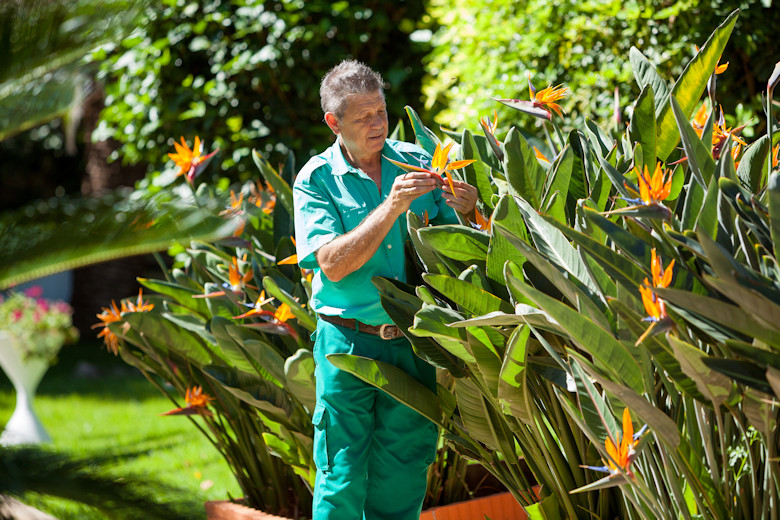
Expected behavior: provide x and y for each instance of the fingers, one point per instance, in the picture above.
(464, 198)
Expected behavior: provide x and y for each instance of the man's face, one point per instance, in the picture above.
(363, 128)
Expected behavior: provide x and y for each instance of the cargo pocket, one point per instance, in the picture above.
(320, 422)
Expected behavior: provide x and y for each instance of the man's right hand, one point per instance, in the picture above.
(408, 187)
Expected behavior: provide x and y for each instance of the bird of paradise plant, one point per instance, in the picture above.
(542, 103)
(653, 190)
(621, 452)
(440, 165)
(113, 313)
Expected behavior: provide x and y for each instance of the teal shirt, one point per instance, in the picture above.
(332, 197)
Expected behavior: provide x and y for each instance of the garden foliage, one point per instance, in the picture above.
(246, 74)
(585, 44)
(617, 313)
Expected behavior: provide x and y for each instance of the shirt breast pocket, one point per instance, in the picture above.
(352, 217)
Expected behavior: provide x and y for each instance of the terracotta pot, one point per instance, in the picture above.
(227, 510)
(501, 506)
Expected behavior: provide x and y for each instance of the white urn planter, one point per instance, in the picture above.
(24, 427)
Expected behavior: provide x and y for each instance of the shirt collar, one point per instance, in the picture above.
(339, 163)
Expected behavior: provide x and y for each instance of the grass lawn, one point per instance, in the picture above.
(94, 405)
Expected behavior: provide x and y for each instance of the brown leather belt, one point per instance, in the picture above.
(384, 331)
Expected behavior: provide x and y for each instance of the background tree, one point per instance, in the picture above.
(246, 74)
(585, 46)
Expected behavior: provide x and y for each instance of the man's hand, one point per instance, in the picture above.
(466, 199)
(408, 187)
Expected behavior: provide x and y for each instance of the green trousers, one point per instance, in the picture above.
(372, 452)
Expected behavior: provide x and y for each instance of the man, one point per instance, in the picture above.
(371, 452)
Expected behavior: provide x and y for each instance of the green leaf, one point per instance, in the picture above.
(751, 166)
(181, 295)
(431, 322)
(560, 175)
(546, 509)
(551, 243)
(645, 75)
(304, 317)
(690, 85)
(283, 190)
(471, 298)
(612, 356)
(482, 425)
(394, 381)
(700, 159)
(457, 242)
(233, 351)
(477, 173)
(168, 335)
(642, 127)
(254, 390)
(721, 313)
(660, 424)
(431, 262)
(707, 221)
(48, 238)
(575, 291)
(523, 172)
(773, 197)
(500, 250)
(299, 374)
(714, 385)
(425, 138)
(595, 411)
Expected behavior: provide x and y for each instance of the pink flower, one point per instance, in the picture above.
(43, 305)
(36, 291)
(17, 314)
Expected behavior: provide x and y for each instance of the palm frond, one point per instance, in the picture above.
(48, 237)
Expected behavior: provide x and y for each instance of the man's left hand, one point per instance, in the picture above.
(466, 199)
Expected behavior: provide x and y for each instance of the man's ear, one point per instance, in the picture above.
(332, 122)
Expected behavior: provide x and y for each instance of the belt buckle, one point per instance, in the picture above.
(388, 331)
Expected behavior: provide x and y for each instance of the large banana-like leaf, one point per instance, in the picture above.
(283, 191)
(773, 197)
(646, 75)
(299, 372)
(478, 419)
(478, 172)
(394, 381)
(172, 337)
(751, 166)
(613, 356)
(44, 239)
(712, 384)
(642, 127)
(181, 295)
(425, 138)
(402, 306)
(525, 176)
(457, 242)
(575, 291)
(256, 391)
(700, 159)
(469, 297)
(690, 85)
(551, 243)
(431, 322)
(236, 354)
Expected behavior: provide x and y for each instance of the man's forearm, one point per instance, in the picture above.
(349, 252)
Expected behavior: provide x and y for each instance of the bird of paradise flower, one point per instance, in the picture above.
(655, 306)
(275, 321)
(197, 403)
(542, 103)
(621, 452)
(190, 161)
(236, 281)
(440, 165)
(653, 190)
(113, 314)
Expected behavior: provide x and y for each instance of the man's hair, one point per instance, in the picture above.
(347, 78)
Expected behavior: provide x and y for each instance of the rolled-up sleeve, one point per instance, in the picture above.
(317, 221)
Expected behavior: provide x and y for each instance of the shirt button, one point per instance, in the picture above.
(389, 246)
(395, 277)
